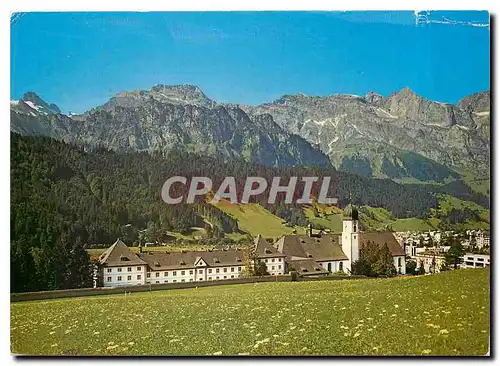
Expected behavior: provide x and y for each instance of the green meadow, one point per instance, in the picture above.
(255, 219)
(442, 314)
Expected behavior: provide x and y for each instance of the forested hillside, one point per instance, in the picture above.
(64, 199)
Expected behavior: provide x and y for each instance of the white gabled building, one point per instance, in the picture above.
(121, 267)
(265, 252)
(312, 254)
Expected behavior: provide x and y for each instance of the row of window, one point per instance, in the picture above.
(129, 278)
(191, 272)
(174, 273)
(472, 264)
(341, 266)
(272, 267)
(119, 269)
(272, 260)
(200, 279)
(139, 277)
(480, 259)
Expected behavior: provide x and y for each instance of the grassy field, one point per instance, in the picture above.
(380, 219)
(255, 219)
(442, 314)
(412, 224)
(328, 217)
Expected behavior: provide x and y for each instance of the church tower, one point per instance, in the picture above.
(350, 235)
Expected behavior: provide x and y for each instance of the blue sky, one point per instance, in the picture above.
(80, 60)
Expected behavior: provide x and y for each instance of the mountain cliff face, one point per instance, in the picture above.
(401, 136)
(478, 107)
(168, 117)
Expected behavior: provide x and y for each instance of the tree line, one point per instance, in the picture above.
(65, 198)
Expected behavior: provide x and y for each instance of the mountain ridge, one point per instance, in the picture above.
(380, 128)
(371, 135)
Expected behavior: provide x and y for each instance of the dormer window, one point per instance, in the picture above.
(238, 259)
(268, 251)
(157, 264)
(123, 258)
(182, 263)
(216, 260)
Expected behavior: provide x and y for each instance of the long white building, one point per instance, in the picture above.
(122, 267)
(312, 254)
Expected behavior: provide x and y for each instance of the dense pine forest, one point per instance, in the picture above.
(65, 198)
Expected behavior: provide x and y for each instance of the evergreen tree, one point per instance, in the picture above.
(411, 266)
(260, 268)
(454, 256)
(79, 271)
(433, 264)
(421, 268)
(374, 261)
(385, 264)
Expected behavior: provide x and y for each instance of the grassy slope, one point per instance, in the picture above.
(254, 219)
(447, 202)
(443, 314)
(480, 184)
(329, 217)
(380, 218)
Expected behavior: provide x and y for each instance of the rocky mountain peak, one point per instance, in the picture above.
(477, 102)
(406, 91)
(289, 98)
(374, 98)
(184, 94)
(167, 94)
(35, 102)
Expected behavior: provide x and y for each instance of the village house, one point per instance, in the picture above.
(476, 260)
(432, 261)
(308, 255)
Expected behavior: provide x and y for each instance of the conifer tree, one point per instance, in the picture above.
(385, 264)
(454, 256)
